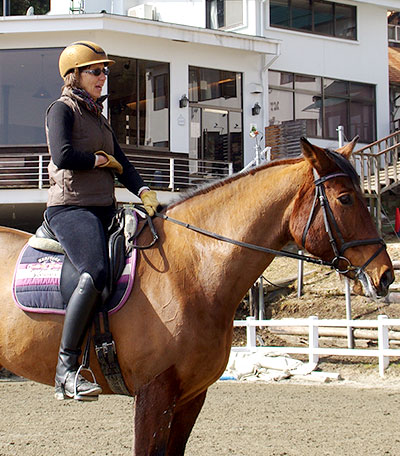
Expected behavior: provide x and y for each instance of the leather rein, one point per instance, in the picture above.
(329, 221)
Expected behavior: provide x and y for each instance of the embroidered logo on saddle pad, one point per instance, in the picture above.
(37, 282)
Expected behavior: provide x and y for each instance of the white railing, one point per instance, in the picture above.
(394, 33)
(169, 173)
(382, 325)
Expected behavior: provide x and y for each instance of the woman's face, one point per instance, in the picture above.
(91, 83)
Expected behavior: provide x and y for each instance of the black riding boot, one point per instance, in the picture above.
(69, 383)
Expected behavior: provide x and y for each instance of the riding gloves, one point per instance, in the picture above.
(111, 163)
(150, 202)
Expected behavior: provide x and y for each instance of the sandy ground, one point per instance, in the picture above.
(287, 418)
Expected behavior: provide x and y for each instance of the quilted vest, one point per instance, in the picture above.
(93, 187)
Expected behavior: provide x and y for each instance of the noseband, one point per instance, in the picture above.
(330, 222)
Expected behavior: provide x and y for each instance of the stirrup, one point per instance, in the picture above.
(61, 393)
(85, 397)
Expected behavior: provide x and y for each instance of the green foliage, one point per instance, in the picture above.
(20, 7)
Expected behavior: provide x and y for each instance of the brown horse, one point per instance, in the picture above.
(174, 334)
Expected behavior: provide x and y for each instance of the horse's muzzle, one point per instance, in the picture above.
(386, 280)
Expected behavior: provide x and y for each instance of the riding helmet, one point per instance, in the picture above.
(81, 54)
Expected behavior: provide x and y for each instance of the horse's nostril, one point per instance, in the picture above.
(386, 279)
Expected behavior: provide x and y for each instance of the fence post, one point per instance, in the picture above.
(347, 292)
(251, 334)
(300, 275)
(260, 298)
(313, 340)
(171, 174)
(40, 172)
(383, 344)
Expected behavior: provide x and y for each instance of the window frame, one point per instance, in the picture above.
(158, 103)
(313, 6)
(222, 15)
(349, 96)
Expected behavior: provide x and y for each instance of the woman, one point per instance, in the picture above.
(85, 156)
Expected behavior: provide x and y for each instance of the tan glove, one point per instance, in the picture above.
(110, 163)
(150, 201)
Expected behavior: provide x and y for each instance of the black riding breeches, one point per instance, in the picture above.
(82, 233)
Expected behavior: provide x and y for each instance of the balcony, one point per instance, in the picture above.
(25, 167)
(394, 33)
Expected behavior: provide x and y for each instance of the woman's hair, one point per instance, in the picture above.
(71, 80)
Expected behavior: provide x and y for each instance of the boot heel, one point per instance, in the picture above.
(59, 393)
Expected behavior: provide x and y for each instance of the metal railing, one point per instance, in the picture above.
(173, 173)
(394, 33)
(378, 164)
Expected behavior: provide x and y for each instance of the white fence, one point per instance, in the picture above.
(382, 324)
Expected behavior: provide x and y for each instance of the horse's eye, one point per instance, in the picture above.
(346, 200)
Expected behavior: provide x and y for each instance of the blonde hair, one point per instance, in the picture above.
(71, 80)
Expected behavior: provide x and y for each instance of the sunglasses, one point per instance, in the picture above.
(97, 72)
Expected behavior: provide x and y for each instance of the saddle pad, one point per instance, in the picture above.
(37, 276)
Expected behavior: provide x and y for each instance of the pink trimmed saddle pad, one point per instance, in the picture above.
(37, 278)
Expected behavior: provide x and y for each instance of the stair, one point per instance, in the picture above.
(378, 165)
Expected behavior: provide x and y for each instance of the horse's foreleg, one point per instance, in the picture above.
(154, 408)
(182, 424)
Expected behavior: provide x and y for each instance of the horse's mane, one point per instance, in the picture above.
(337, 158)
(209, 186)
(344, 164)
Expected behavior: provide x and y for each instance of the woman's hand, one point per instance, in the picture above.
(100, 160)
(108, 161)
(150, 201)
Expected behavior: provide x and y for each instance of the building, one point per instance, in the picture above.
(192, 79)
(394, 69)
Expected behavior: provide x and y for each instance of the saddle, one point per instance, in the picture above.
(120, 234)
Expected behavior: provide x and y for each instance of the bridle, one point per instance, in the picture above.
(329, 221)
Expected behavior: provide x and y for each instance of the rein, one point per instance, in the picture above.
(329, 221)
(219, 237)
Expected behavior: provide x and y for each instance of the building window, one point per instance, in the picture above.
(315, 16)
(29, 82)
(216, 116)
(139, 102)
(207, 84)
(323, 104)
(224, 14)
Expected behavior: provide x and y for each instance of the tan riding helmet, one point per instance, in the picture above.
(81, 54)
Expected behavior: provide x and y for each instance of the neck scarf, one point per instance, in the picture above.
(95, 106)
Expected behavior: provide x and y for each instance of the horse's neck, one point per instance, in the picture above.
(254, 209)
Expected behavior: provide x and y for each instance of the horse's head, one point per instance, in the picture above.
(330, 220)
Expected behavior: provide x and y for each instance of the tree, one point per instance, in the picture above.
(20, 7)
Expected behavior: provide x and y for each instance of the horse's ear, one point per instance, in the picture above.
(348, 148)
(315, 155)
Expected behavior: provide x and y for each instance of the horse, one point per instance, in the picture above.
(173, 335)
